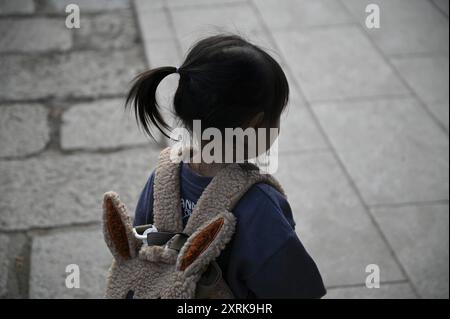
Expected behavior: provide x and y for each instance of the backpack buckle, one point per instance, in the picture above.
(177, 241)
(141, 232)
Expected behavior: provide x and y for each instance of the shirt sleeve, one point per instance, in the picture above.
(266, 258)
(144, 208)
(289, 273)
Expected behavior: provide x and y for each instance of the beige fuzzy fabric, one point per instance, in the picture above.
(141, 271)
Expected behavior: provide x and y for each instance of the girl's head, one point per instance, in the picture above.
(225, 81)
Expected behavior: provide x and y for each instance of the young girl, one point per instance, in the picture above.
(227, 82)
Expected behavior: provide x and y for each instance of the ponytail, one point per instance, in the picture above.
(142, 97)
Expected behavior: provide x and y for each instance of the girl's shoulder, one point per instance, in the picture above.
(267, 204)
(261, 202)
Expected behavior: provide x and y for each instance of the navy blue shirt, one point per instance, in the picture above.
(265, 258)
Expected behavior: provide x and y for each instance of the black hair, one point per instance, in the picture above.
(224, 82)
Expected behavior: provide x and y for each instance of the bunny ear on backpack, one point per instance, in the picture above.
(206, 244)
(117, 228)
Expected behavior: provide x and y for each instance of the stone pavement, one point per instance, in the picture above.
(364, 143)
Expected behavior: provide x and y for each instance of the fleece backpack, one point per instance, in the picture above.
(165, 259)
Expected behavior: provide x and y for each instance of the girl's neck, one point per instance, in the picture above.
(208, 170)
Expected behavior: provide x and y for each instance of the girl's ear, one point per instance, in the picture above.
(256, 121)
(117, 228)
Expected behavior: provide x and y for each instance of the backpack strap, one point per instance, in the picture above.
(224, 192)
(166, 195)
(212, 224)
